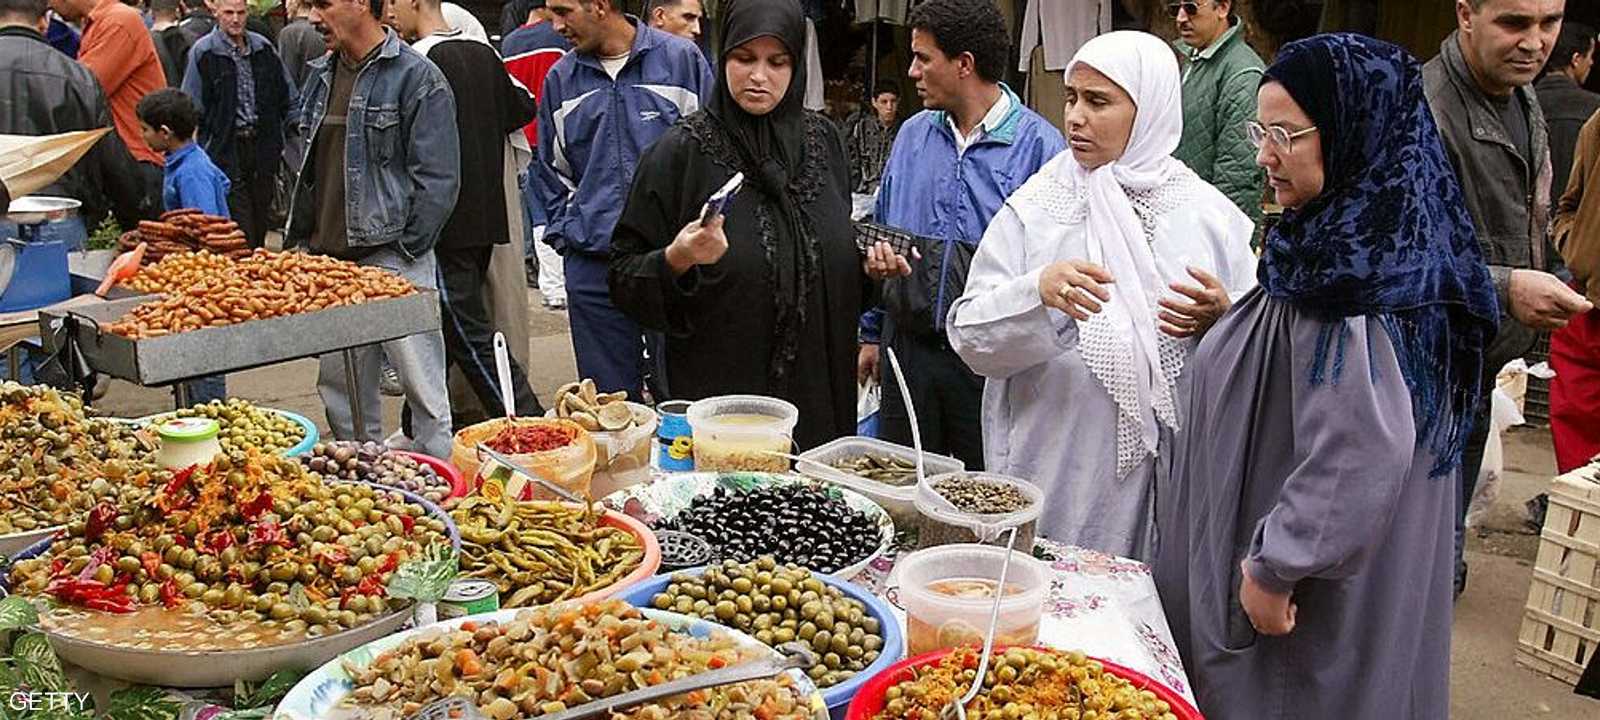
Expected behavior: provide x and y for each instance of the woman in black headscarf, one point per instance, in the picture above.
(766, 299)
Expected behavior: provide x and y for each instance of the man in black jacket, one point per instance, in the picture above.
(245, 99)
(50, 94)
(489, 106)
(1567, 106)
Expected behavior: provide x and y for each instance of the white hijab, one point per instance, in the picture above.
(1145, 387)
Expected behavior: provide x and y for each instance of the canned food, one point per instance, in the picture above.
(469, 597)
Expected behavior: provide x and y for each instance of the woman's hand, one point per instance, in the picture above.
(1189, 319)
(882, 263)
(1074, 287)
(697, 244)
(1270, 613)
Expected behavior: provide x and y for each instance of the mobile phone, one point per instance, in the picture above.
(718, 202)
(870, 234)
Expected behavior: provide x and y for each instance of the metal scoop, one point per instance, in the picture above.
(794, 656)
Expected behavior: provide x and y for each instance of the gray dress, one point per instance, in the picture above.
(1323, 489)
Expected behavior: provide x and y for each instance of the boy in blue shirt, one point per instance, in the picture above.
(167, 120)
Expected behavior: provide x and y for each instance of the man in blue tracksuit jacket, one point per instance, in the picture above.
(951, 169)
(620, 89)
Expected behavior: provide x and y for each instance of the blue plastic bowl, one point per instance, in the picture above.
(310, 428)
(312, 436)
(839, 696)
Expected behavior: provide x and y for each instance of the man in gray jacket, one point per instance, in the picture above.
(378, 177)
(1479, 89)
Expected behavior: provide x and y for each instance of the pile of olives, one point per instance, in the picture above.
(56, 461)
(373, 462)
(313, 557)
(243, 425)
(778, 604)
(1023, 684)
(797, 523)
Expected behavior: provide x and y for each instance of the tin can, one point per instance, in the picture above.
(677, 440)
(469, 597)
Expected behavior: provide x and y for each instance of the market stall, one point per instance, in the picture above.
(376, 584)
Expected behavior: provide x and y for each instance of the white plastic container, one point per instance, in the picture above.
(188, 441)
(941, 526)
(741, 433)
(935, 620)
(901, 502)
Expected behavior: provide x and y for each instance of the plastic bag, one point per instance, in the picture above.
(29, 163)
(869, 398)
(1502, 415)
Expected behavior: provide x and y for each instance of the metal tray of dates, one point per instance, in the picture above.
(242, 346)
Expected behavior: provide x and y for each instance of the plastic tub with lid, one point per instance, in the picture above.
(936, 619)
(570, 466)
(899, 501)
(740, 433)
(186, 442)
(943, 526)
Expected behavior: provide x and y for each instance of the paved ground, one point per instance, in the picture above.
(1486, 683)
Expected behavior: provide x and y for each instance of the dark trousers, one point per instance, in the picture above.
(468, 334)
(151, 177)
(609, 346)
(1471, 463)
(948, 397)
(250, 191)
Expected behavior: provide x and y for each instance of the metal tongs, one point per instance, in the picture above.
(511, 465)
(793, 656)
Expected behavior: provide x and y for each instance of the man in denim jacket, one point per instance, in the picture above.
(378, 177)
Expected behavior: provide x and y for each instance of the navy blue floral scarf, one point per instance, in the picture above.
(1389, 236)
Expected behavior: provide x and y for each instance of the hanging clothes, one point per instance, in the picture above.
(890, 11)
(1063, 27)
(816, 99)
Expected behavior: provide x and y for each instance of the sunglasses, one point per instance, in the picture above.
(1189, 8)
(1262, 134)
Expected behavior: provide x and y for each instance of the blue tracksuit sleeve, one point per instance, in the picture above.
(872, 320)
(550, 178)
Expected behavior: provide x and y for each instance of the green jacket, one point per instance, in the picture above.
(1219, 95)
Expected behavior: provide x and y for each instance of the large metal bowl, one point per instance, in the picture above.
(220, 668)
(319, 695)
(41, 208)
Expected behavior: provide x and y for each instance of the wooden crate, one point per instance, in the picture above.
(1561, 625)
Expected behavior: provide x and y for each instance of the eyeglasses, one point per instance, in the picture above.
(1284, 140)
(1189, 8)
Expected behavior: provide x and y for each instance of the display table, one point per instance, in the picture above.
(1099, 604)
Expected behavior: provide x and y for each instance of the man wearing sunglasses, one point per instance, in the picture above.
(1219, 96)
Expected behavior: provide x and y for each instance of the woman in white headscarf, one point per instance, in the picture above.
(1087, 295)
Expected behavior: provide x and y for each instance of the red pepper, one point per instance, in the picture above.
(267, 533)
(370, 585)
(524, 439)
(171, 596)
(101, 517)
(92, 594)
(334, 556)
(216, 541)
(170, 498)
(390, 562)
(257, 507)
(151, 562)
(407, 522)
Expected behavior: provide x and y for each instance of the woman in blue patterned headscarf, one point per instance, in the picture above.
(1306, 541)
